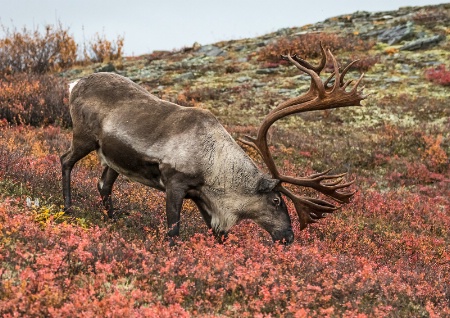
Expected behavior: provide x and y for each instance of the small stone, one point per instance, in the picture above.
(302, 77)
(243, 79)
(185, 76)
(106, 68)
(259, 84)
(196, 46)
(266, 71)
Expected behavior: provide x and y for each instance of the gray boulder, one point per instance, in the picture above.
(211, 50)
(422, 43)
(396, 34)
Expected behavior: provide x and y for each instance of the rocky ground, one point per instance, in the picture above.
(407, 41)
(235, 81)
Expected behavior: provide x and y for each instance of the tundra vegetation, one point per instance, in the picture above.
(385, 254)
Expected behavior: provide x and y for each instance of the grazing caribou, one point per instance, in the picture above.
(187, 153)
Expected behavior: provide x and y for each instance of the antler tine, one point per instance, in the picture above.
(337, 81)
(316, 83)
(344, 86)
(319, 174)
(329, 189)
(316, 69)
(347, 68)
(306, 64)
(315, 78)
(342, 75)
(316, 208)
(327, 81)
(355, 87)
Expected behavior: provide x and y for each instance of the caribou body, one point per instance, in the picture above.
(187, 153)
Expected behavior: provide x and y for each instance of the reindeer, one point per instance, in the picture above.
(188, 154)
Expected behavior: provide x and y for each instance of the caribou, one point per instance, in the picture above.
(187, 153)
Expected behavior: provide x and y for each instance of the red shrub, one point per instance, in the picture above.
(439, 75)
(34, 100)
(365, 62)
(27, 51)
(430, 17)
(385, 254)
(307, 45)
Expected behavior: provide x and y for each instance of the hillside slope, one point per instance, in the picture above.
(386, 254)
(239, 81)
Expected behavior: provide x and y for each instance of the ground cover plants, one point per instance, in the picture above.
(384, 255)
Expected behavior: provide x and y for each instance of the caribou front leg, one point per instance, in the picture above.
(175, 194)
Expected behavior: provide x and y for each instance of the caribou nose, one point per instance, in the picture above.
(285, 237)
(288, 237)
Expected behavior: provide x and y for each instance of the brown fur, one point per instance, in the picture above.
(183, 151)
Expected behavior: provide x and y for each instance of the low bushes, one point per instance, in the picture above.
(439, 75)
(55, 49)
(307, 45)
(34, 99)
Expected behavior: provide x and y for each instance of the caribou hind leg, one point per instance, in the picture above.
(76, 152)
(104, 186)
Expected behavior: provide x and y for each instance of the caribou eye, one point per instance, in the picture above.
(277, 201)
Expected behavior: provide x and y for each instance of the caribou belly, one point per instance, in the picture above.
(142, 171)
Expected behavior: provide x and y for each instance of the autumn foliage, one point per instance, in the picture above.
(36, 52)
(54, 49)
(386, 254)
(103, 50)
(305, 45)
(30, 91)
(34, 99)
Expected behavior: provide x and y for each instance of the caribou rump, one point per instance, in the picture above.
(187, 153)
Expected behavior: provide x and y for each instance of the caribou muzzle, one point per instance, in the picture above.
(285, 237)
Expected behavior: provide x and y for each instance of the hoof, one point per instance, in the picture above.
(70, 211)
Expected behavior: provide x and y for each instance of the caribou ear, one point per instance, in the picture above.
(266, 185)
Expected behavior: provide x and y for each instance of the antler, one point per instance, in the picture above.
(320, 96)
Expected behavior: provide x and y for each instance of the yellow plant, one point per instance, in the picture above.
(434, 154)
(391, 50)
(51, 213)
(47, 213)
(39, 149)
(90, 161)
